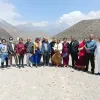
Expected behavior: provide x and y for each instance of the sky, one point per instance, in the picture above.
(44, 12)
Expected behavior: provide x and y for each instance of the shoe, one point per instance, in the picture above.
(2, 65)
(44, 65)
(47, 64)
(98, 74)
(28, 65)
(85, 70)
(92, 71)
(11, 66)
(23, 66)
(36, 66)
(19, 66)
(31, 65)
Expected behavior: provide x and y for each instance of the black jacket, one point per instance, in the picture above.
(74, 46)
(52, 45)
(10, 48)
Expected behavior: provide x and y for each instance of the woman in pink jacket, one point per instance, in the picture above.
(21, 50)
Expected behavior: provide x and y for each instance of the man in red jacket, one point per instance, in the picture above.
(21, 50)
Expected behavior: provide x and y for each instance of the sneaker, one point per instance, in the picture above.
(31, 65)
(23, 66)
(98, 73)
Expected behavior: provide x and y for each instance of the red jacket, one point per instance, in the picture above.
(20, 48)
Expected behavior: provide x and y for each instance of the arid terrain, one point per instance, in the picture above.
(48, 83)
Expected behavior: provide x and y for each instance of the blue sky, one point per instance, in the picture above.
(44, 12)
(51, 10)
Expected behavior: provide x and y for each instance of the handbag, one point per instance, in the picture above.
(64, 55)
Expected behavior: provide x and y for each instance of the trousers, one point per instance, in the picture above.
(74, 57)
(91, 58)
(28, 55)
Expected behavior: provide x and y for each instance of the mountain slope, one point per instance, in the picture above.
(82, 29)
(12, 30)
(4, 34)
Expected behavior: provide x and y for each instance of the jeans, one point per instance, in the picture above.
(46, 58)
(3, 58)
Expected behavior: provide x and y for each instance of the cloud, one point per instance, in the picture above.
(8, 12)
(76, 16)
(40, 24)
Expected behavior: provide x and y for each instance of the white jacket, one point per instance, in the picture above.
(59, 47)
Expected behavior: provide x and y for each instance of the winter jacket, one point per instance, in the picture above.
(20, 48)
(29, 47)
(43, 50)
(74, 46)
(91, 45)
(11, 49)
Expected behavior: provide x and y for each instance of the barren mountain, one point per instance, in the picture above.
(17, 32)
(82, 29)
(12, 30)
(4, 34)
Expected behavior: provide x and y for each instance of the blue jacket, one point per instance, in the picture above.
(91, 45)
(43, 50)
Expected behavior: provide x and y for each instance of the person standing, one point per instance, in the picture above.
(4, 52)
(21, 50)
(36, 57)
(46, 51)
(80, 63)
(56, 58)
(90, 53)
(12, 51)
(74, 50)
(29, 51)
(98, 56)
(65, 52)
(52, 48)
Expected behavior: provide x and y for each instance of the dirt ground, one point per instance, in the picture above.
(48, 83)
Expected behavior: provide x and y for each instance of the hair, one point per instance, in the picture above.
(64, 39)
(99, 39)
(3, 40)
(10, 38)
(20, 39)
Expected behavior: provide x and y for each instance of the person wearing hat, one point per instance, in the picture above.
(35, 59)
(11, 51)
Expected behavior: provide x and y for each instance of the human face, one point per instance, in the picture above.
(46, 40)
(72, 38)
(58, 41)
(91, 37)
(65, 40)
(28, 40)
(84, 40)
(99, 39)
(20, 41)
(37, 40)
(4, 42)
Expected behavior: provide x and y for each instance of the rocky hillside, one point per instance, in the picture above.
(82, 29)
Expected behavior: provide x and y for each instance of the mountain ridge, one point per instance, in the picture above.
(82, 29)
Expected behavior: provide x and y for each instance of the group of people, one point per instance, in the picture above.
(56, 50)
